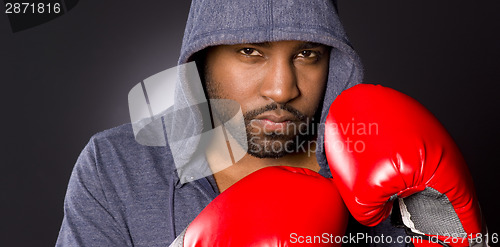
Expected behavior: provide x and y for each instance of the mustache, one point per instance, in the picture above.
(274, 106)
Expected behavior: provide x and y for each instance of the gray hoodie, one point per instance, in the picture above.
(122, 193)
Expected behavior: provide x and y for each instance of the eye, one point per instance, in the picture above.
(308, 54)
(250, 52)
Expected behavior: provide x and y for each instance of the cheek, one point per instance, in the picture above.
(231, 81)
(312, 84)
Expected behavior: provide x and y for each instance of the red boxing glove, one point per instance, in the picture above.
(274, 206)
(382, 145)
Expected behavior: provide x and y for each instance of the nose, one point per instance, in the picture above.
(280, 82)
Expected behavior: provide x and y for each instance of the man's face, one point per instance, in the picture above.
(278, 85)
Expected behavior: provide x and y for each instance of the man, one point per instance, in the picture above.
(283, 62)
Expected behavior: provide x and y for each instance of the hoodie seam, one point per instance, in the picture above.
(270, 20)
(302, 29)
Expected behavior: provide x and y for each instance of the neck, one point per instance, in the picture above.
(227, 173)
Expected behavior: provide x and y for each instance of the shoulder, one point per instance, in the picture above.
(113, 185)
(120, 135)
(116, 150)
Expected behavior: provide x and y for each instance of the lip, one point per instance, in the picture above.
(270, 123)
(276, 118)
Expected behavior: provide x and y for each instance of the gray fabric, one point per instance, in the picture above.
(431, 213)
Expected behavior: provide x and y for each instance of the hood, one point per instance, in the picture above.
(217, 22)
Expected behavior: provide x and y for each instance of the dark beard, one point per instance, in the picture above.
(277, 145)
(257, 142)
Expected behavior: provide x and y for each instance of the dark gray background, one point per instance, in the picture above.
(65, 80)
